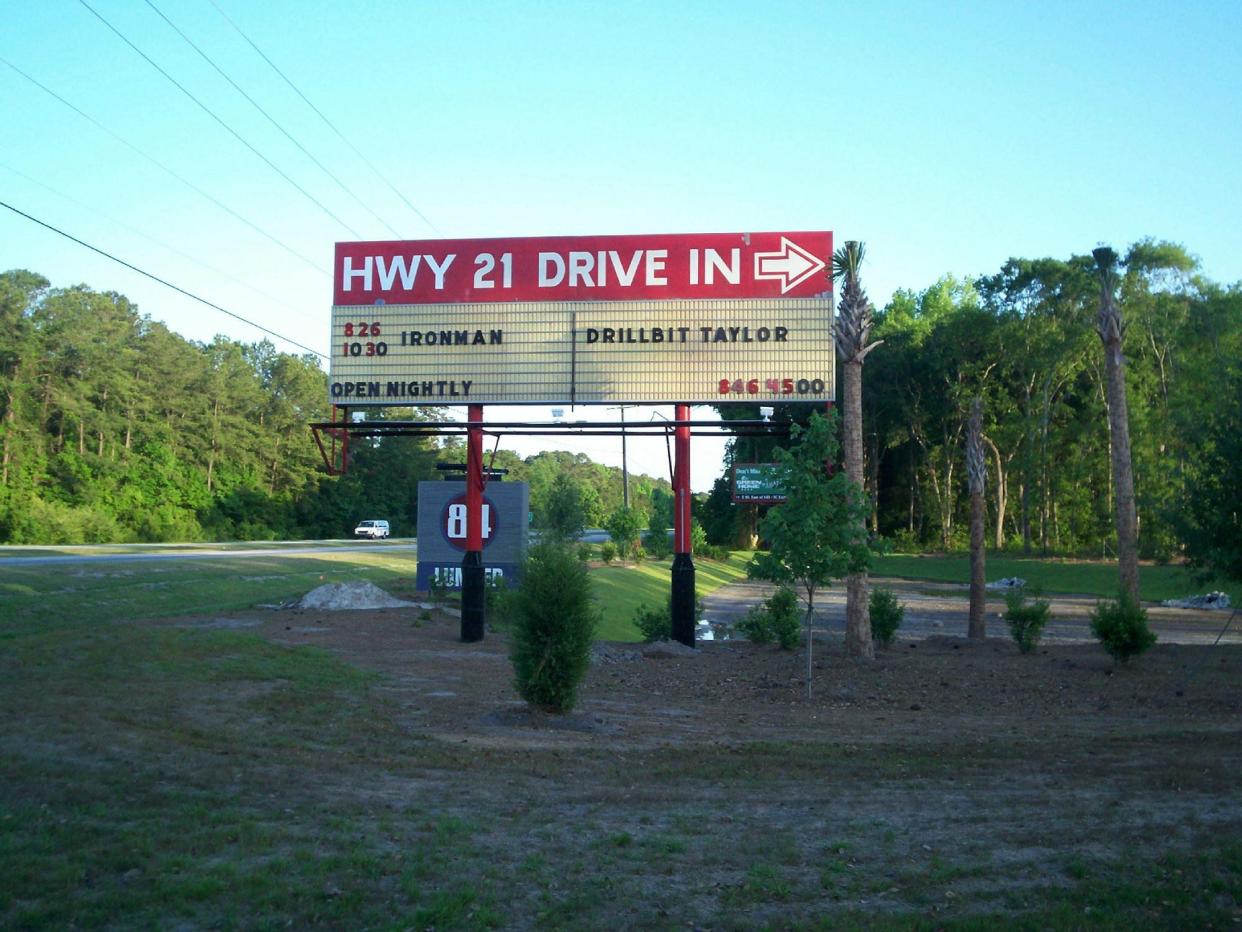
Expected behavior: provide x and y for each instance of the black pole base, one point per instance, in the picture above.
(472, 596)
(683, 599)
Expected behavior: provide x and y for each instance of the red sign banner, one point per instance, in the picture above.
(584, 268)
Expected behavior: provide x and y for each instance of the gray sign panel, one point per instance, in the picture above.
(442, 530)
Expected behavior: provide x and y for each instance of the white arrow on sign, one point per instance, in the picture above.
(791, 266)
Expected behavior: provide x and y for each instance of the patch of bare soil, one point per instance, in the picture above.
(732, 690)
(704, 788)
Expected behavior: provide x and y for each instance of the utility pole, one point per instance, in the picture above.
(625, 469)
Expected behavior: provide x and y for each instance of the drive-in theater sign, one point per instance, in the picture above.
(659, 319)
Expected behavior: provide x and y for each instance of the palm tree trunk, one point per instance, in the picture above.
(978, 575)
(1123, 472)
(976, 467)
(1111, 327)
(858, 641)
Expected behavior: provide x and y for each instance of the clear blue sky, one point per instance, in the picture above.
(947, 136)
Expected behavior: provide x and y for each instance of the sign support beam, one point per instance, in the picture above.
(472, 585)
(683, 563)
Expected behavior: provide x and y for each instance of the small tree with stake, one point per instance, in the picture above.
(817, 535)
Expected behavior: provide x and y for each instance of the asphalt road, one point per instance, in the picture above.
(35, 555)
(182, 552)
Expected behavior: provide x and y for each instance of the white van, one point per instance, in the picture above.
(372, 529)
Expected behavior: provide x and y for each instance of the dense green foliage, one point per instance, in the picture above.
(553, 626)
(777, 619)
(657, 543)
(624, 525)
(1210, 513)
(654, 622)
(813, 537)
(1026, 619)
(887, 615)
(1051, 574)
(113, 428)
(568, 508)
(1121, 627)
(1023, 340)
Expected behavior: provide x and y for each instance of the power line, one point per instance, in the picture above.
(329, 123)
(151, 239)
(160, 165)
(270, 164)
(166, 284)
(271, 119)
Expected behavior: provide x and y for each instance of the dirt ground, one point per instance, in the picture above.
(731, 690)
(945, 780)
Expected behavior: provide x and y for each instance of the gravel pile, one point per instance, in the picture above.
(351, 595)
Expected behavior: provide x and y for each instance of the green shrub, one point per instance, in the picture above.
(624, 526)
(584, 553)
(437, 587)
(905, 541)
(786, 617)
(655, 623)
(756, 626)
(500, 602)
(886, 615)
(50, 522)
(656, 543)
(1026, 619)
(553, 626)
(698, 536)
(607, 551)
(778, 619)
(1121, 627)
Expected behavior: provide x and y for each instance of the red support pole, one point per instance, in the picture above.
(683, 564)
(681, 483)
(472, 577)
(474, 479)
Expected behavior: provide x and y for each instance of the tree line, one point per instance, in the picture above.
(1023, 342)
(114, 428)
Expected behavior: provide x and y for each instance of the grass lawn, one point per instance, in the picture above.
(232, 546)
(237, 579)
(119, 589)
(98, 591)
(1156, 582)
(622, 590)
(155, 776)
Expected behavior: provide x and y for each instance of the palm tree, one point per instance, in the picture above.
(852, 333)
(976, 473)
(1112, 329)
